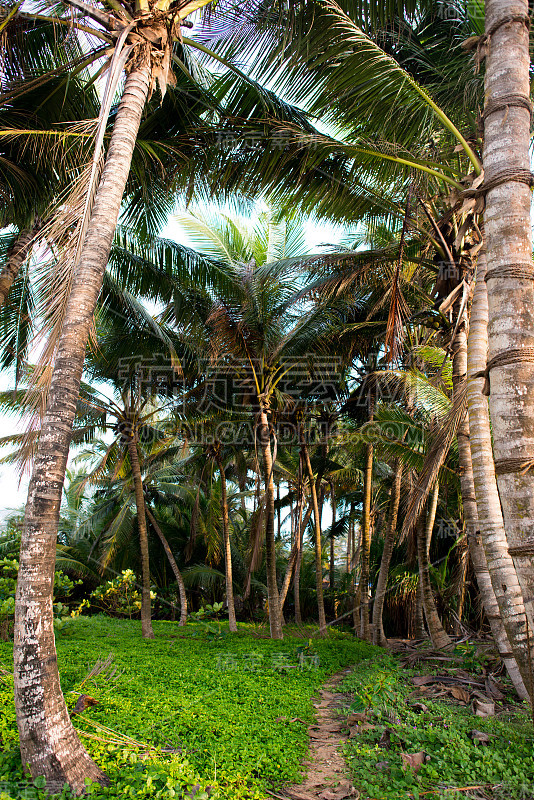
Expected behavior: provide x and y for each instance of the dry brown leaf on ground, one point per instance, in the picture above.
(483, 709)
(460, 694)
(413, 760)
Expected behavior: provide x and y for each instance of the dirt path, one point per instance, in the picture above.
(326, 777)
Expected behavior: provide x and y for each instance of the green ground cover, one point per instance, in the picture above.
(503, 769)
(236, 709)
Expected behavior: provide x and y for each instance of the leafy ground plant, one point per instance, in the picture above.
(409, 749)
(185, 716)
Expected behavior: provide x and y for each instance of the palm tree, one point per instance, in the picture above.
(509, 259)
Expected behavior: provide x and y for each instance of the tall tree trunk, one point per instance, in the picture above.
(507, 222)
(275, 616)
(16, 257)
(318, 548)
(379, 636)
(365, 631)
(232, 624)
(49, 744)
(469, 500)
(420, 632)
(439, 637)
(146, 603)
(331, 570)
(501, 591)
(172, 562)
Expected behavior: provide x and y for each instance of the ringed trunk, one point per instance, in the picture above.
(275, 617)
(49, 745)
(146, 602)
(16, 257)
(379, 636)
(232, 624)
(439, 637)
(502, 598)
(507, 223)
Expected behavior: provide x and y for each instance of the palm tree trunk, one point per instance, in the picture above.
(301, 527)
(318, 548)
(232, 624)
(146, 603)
(365, 631)
(49, 744)
(507, 222)
(469, 500)
(503, 598)
(331, 570)
(420, 632)
(389, 542)
(275, 616)
(439, 637)
(16, 257)
(172, 562)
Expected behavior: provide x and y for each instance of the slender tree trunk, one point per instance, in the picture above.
(49, 744)
(296, 580)
(420, 632)
(365, 631)
(389, 542)
(172, 562)
(439, 637)
(489, 547)
(318, 548)
(332, 540)
(275, 616)
(146, 603)
(507, 222)
(232, 624)
(16, 257)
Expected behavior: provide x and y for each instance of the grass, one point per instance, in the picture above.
(503, 769)
(185, 715)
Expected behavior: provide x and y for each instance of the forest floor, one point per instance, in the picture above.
(198, 714)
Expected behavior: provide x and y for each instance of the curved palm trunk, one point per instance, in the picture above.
(379, 636)
(232, 624)
(508, 235)
(318, 548)
(331, 570)
(469, 500)
(49, 744)
(490, 547)
(16, 257)
(146, 602)
(275, 616)
(439, 637)
(296, 580)
(365, 630)
(172, 562)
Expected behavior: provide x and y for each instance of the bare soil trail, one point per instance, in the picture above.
(326, 777)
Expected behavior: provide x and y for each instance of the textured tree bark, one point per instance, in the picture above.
(331, 570)
(172, 562)
(379, 636)
(439, 637)
(365, 630)
(275, 616)
(16, 257)
(146, 602)
(507, 223)
(502, 598)
(317, 529)
(49, 744)
(420, 632)
(232, 624)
